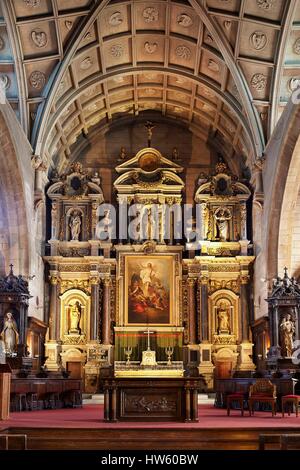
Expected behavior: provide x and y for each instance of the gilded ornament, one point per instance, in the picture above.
(74, 268)
(53, 280)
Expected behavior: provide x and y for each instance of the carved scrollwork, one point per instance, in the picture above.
(215, 285)
(74, 268)
(81, 284)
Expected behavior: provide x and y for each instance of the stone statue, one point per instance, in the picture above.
(175, 155)
(123, 154)
(106, 223)
(287, 330)
(75, 316)
(75, 226)
(10, 334)
(223, 319)
(223, 216)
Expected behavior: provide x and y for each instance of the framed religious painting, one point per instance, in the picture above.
(149, 290)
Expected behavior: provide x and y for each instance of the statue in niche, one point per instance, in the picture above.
(75, 226)
(222, 217)
(75, 316)
(10, 334)
(287, 331)
(223, 319)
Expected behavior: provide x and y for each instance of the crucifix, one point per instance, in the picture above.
(148, 340)
(149, 126)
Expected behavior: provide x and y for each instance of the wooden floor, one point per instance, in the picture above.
(145, 439)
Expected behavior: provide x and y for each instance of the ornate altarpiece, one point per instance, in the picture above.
(210, 319)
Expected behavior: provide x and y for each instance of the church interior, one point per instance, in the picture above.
(149, 231)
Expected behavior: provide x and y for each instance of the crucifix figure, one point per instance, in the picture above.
(149, 126)
(148, 339)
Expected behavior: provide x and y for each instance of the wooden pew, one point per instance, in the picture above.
(38, 393)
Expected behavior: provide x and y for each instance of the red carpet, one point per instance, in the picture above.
(91, 416)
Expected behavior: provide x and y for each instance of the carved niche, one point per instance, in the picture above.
(75, 197)
(223, 212)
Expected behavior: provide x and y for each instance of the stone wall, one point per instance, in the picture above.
(19, 222)
(273, 244)
(104, 152)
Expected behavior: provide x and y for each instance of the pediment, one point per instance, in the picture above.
(149, 161)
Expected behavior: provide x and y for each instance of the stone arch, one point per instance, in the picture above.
(282, 184)
(16, 190)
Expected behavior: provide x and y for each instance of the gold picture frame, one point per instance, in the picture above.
(149, 290)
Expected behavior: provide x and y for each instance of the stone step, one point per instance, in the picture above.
(206, 399)
(96, 399)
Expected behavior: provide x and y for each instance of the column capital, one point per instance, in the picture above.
(203, 280)
(53, 279)
(245, 278)
(191, 281)
(94, 280)
(107, 282)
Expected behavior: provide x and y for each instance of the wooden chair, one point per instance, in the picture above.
(291, 401)
(262, 391)
(239, 396)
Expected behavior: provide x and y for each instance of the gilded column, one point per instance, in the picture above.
(203, 286)
(54, 292)
(58, 315)
(192, 311)
(94, 220)
(244, 309)
(94, 316)
(106, 312)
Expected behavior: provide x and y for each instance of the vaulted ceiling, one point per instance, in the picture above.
(224, 68)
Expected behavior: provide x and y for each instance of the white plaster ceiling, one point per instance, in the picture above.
(225, 68)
